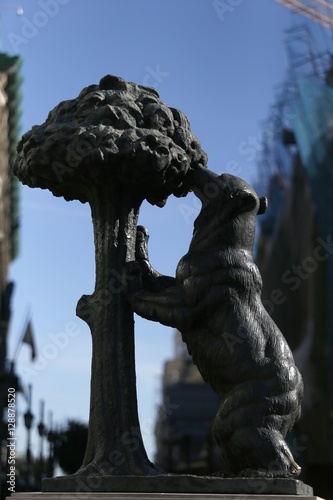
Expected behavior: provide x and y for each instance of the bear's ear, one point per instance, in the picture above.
(263, 205)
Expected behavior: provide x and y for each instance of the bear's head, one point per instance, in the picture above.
(228, 214)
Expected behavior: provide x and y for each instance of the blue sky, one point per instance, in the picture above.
(219, 65)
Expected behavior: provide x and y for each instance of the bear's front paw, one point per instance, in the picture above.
(131, 277)
(141, 248)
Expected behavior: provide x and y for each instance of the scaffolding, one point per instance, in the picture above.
(295, 247)
(319, 11)
(303, 58)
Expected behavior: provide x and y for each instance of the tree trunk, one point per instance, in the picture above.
(115, 443)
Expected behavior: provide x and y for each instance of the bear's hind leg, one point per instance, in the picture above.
(259, 452)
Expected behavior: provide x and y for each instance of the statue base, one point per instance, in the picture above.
(152, 496)
(173, 483)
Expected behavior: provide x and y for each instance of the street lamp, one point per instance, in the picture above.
(41, 430)
(28, 419)
(51, 437)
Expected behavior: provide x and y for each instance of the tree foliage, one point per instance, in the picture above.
(70, 446)
(114, 132)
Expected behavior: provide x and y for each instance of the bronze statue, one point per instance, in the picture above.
(215, 303)
(114, 146)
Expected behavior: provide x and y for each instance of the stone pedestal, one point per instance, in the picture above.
(153, 496)
(176, 483)
(169, 487)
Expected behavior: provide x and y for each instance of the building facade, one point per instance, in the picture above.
(183, 430)
(10, 81)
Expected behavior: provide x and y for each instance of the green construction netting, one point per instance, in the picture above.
(12, 66)
(313, 127)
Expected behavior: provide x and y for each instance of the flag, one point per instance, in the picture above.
(28, 338)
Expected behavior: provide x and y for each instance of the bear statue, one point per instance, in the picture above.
(215, 302)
